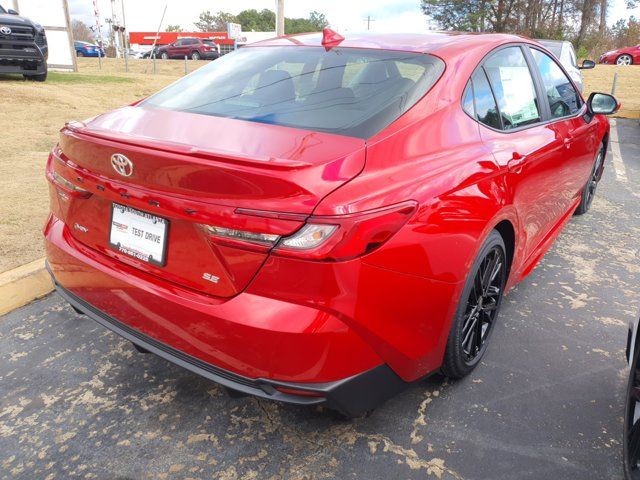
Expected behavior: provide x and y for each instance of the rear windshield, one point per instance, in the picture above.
(553, 47)
(208, 42)
(346, 91)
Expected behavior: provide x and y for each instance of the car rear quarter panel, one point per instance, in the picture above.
(439, 160)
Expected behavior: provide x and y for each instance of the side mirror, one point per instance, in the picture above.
(602, 103)
(587, 64)
(11, 11)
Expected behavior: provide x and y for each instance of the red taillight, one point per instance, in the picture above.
(65, 187)
(350, 235)
(321, 238)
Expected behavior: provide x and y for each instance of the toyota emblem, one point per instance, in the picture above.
(5, 30)
(122, 164)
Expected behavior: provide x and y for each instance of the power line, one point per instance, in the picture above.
(369, 20)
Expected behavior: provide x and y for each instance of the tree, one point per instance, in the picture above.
(318, 20)
(458, 15)
(582, 21)
(626, 32)
(254, 21)
(214, 23)
(173, 28)
(81, 31)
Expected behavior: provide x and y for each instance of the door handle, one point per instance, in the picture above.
(568, 140)
(516, 163)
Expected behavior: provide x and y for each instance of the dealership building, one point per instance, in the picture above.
(225, 44)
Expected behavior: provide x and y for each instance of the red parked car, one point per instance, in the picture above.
(622, 56)
(194, 48)
(315, 219)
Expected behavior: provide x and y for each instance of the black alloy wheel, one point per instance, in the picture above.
(478, 309)
(482, 305)
(589, 191)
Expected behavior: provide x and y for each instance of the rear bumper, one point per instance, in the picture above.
(249, 343)
(352, 396)
(94, 54)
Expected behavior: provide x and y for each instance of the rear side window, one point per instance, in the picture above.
(347, 91)
(564, 100)
(467, 101)
(513, 87)
(485, 103)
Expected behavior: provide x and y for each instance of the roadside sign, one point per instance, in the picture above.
(54, 16)
(234, 30)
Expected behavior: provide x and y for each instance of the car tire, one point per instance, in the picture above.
(164, 56)
(195, 56)
(631, 428)
(37, 78)
(624, 59)
(589, 190)
(477, 310)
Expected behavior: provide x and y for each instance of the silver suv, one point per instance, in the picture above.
(563, 50)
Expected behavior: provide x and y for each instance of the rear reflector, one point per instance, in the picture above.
(295, 391)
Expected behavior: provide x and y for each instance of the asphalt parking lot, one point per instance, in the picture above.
(76, 401)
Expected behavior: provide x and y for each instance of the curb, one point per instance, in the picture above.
(23, 285)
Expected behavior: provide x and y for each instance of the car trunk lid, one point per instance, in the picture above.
(194, 170)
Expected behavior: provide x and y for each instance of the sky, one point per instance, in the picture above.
(343, 15)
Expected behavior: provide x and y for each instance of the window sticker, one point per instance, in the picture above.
(519, 95)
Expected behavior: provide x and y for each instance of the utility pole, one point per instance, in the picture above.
(279, 18)
(125, 32)
(113, 22)
(96, 13)
(369, 20)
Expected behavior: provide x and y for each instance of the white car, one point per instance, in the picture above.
(563, 50)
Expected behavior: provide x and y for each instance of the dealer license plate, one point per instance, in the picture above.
(138, 234)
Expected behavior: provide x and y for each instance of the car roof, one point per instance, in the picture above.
(428, 42)
(545, 41)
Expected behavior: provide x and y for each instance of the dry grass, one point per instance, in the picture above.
(116, 66)
(34, 112)
(600, 79)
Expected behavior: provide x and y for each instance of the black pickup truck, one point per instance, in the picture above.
(23, 46)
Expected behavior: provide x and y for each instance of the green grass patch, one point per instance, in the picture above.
(78, 78)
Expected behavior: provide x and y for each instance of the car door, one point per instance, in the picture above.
(512, 116)
(188, 45)
(175, 48)
(636, 54)
(566, 109)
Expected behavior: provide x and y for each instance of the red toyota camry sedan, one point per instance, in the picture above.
(318, 219)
